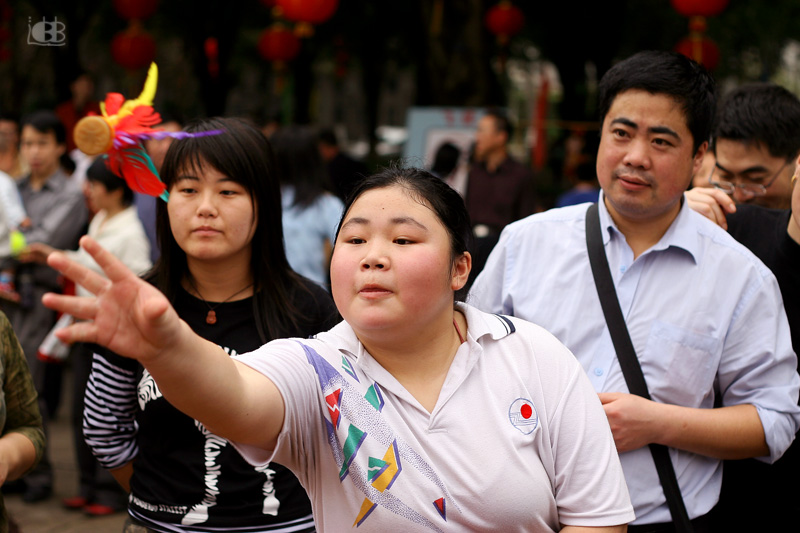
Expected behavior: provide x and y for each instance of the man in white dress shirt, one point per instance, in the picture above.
(704, 314)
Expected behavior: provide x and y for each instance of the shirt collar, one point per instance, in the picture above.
(55, 182)
(478, 325)
(682, 233)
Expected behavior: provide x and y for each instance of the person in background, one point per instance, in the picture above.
(58, 214)
(10, 160)
(117, 226)
(310, 213)
(224, 269)
(81, 103)
(500, 189)
(585, 188)
(445, 160)
(418, 412)
(344, 172)
(756, 141)
(22, 440)
(774, 236)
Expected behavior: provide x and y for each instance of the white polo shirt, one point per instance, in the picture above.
(517, 441)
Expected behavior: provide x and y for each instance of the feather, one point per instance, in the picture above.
(132, 163)
(132, 122)
(112, 104)
(145, 98)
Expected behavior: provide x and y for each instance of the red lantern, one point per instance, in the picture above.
(211, 48)
(701, 49)
(278, 44)
(308, 11)
(699, 8)
(505, 20)
(133, 48)
(135, 9)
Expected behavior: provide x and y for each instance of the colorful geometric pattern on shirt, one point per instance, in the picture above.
(365, 431)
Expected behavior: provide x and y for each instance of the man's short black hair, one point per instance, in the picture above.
(761, 113)
(10, 117)
(501, 121)
(46, 122)
(670, 74)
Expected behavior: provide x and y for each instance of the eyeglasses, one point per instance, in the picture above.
(748, 189)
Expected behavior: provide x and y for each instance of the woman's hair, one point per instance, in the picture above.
(98, 172)
(431, 191)
(243, 154)
(446, 159)
(299, 163)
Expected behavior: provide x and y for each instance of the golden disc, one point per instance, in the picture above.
(93, 135)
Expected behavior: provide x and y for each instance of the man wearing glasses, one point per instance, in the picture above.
(756, 141)
(757, 146)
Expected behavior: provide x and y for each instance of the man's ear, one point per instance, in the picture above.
(698, 157)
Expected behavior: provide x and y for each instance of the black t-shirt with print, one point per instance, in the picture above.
(185, 475)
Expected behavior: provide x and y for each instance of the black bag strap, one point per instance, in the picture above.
(629, 363)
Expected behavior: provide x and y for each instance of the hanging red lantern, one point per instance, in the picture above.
(278, 44)
(211, 48)
(701, 49)
(133, 48)
(135, 9)
(308, 11)
(505, 20)
(699, 8)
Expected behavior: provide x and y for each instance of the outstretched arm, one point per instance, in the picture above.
(132, 318)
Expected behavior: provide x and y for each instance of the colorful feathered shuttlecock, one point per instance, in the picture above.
(119, 132)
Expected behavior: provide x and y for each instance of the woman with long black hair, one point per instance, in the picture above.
(224, 270)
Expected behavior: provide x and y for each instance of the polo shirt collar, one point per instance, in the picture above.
(478, 325)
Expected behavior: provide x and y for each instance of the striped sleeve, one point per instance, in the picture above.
(109, 415)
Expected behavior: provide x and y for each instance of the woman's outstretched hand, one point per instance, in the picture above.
(126, 315)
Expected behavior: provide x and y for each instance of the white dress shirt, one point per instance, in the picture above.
(704, 314)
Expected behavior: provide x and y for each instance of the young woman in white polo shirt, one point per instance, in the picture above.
(415, 413)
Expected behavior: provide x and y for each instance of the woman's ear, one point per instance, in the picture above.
(461, 270)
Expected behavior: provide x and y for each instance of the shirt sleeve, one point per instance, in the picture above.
(11, 200)
(109, 415)
(22, 410)
(283, 362)
(759, 367)
(488, 290)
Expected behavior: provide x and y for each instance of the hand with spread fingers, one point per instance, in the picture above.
(126, 315)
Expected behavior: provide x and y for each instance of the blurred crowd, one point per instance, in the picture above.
(741, 176)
